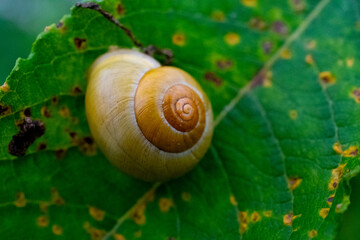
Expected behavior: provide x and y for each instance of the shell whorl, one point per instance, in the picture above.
(170, 114)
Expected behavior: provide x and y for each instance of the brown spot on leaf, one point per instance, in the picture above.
(309, 59)
(259, 79)
(294, 182)
(27, 112)
(280, 27)
(87, 146)
(45, 112)
(352, 151)
(312, 233)
(60, 154)
(56, 229)
(64, 112)
(96, 213)
(80, 43)
(20, 200)
(243, 219)
(179, 39)
(257, 23)
(356, 95)
(42, 221)
(120, 9)
(76, 91)
(139, 214)
(255, 217)
(30, 130)
(95, 234)
(287, 219)
(311, 45)
(210, 76)
(232, 38)
(165, 204)
(55, 100)
(4, 110)
(118, 236)
(186, 196)
(298, 5)
(267, 47)
(336, 175)
(41, 146)
(327, 78)
(73, 135)
(224, 64)
(218, 15)
(324, 212)
(56, 198)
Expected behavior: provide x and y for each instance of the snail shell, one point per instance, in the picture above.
(153, 122)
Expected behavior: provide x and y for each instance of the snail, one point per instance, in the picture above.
(152, 122)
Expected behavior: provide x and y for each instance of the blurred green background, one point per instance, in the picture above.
(22, 20)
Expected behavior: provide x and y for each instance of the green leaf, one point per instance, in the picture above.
(281, 76)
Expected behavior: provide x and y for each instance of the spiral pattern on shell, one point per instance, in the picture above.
(152, 122)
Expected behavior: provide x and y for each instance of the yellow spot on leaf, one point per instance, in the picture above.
(268, 79)
(255, 217)
(233, 200)
(5, 87)
(97, 214)
(294, 182)
(331, 199)
(287, 219)
(335, 177)
(286, 54)
(179, 39)
(232, 39)
(64, 112)
(44, 206)
(312, 234)
(356, 95)
(186, 196)
(268, 213)
(42, 221)
(20, 200)
(242, 216)
(249, 3)
(337, 148)
(309, 59)
(119, 237)
(352, 151)
(165, 204)
(350, 62)
(56, 198)
(257, 23)
(293, 114)
(324, 212)
(327, 78)
(96, 234)
(218, 15)
(137, 234)
(56, 229)
(311, 45)
(139, 214)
